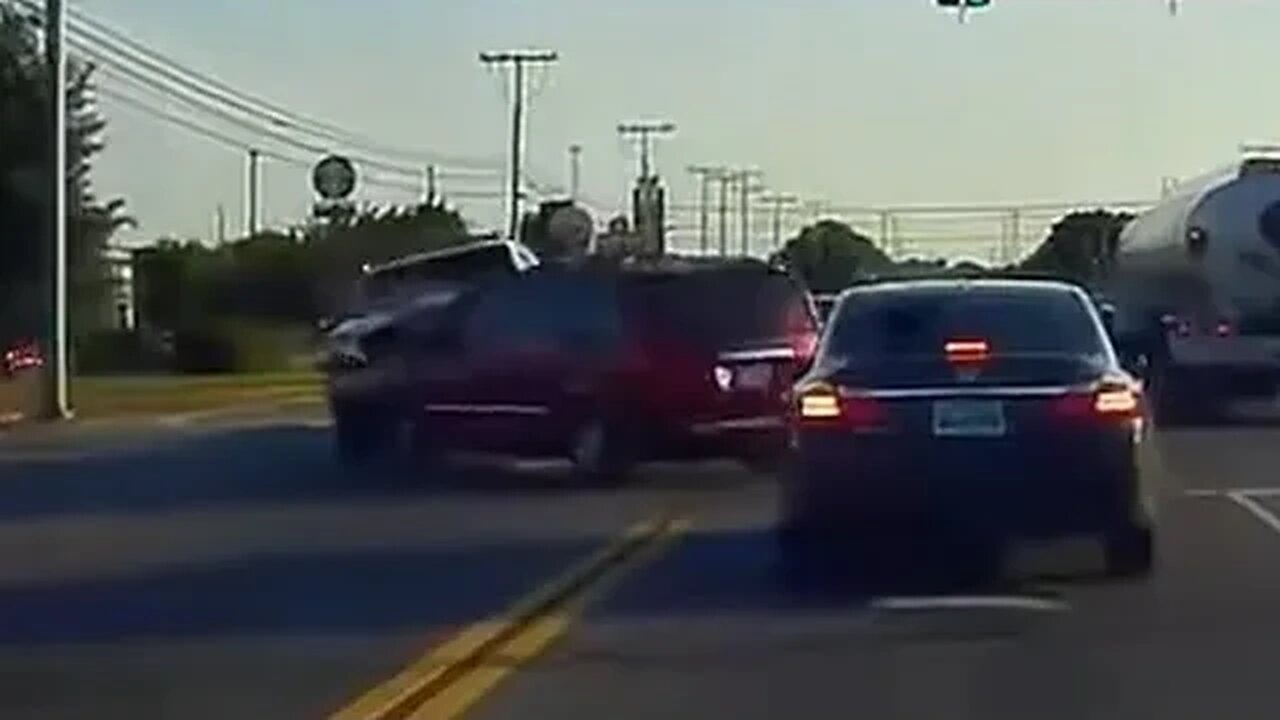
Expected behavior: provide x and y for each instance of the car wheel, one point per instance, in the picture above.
(1130, 552)
(598, 453)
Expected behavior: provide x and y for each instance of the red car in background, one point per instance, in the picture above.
(606, 365)
(19, 356)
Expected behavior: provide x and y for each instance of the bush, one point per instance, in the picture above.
(238, 346)
(119, 351)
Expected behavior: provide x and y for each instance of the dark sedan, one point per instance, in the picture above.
(994, 408)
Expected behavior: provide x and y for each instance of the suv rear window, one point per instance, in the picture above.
(899, 324)
(727, 309)
(464, 266)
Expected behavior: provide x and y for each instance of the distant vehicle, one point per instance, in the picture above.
(1195, 283)
(20, 356)
(996, 408)
(607, 365)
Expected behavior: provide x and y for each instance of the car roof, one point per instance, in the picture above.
(960, 285)
(468, 248)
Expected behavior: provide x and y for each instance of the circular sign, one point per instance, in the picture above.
(334, 178)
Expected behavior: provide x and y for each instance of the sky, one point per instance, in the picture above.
(859, 103)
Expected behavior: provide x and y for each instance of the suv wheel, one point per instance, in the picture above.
(597, 452)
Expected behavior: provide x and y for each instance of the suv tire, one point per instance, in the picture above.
(599, 452)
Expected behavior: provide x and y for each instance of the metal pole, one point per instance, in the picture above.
(252, 213)
(575, 171)
(431, 186)
(724, 213)
(745, 177)
(57, 397)
(704, 197)
(517, 125)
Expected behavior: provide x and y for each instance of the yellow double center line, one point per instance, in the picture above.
(447, 681)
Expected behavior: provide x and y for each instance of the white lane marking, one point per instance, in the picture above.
(969, 602)
(1246, 492)
(1198, 493)
(1267, 517)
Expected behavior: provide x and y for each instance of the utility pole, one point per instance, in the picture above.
(431, 186)
(575, 170)
(705, 176)
(646, 131)
(778, 201)
(517, 60)
(220, 231)
(251, 214)
(726, 179)
(745, 190)
(56, 397)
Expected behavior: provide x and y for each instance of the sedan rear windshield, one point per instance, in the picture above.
(900, 324)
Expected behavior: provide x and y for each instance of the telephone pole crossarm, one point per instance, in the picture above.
(646, 131)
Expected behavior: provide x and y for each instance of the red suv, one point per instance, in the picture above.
(608, 366)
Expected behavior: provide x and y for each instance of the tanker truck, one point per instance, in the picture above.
(1194, 284)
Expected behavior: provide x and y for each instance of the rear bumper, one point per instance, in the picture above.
(732, 437)
(1045, 494)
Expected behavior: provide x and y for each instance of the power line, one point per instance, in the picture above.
(242, 146)
(272, 114)
(128, 76)
(158, 63)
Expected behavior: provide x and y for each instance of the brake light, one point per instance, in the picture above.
(1106, 403)
(966, 351)
(819, 402)
(825, 405)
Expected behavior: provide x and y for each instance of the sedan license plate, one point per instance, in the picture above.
(968, 418)
(755, 377)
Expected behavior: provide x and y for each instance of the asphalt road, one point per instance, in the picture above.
(233, 571)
